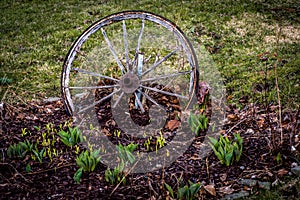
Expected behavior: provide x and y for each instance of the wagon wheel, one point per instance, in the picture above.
(132, 53)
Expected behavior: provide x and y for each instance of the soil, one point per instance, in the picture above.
(265, 158)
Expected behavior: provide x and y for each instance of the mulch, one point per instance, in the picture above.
(53, 179)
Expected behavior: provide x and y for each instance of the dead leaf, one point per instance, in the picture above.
(210, 189)
(226, 190)
(282, 172)
(173, 124)
(232, 117)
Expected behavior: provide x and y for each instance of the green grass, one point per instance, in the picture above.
(36, 36)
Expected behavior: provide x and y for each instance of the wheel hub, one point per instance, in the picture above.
(129, 83)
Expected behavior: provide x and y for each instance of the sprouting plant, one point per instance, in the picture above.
(125, 152)
(147, 143)
(49, 128)
(23, 132)
(197, 123)
(116, 175)
(28, 168)
(227, 150)
(54, 152)
(49, 153)
(88, 160)
(37, 128)
(77, 175)
(39, 154)
(77, 149)
(117, 133)
(160, 141)
(185, 192)
(44, 139)
(20, 149)
(72, 137)
(278, 158)
(53, 141)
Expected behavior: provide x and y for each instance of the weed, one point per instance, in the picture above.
(226, 150)
(72, 137)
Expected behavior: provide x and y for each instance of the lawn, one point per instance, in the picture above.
(254, 45)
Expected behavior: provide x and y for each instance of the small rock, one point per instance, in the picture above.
(296, 170)
(294, 164)
(264, 185)
(242, 167)
(248, 182)
(238, 195)
(250, 131)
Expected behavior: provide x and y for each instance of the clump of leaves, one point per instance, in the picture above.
(87, 161)
(39, 154)
(125, 152)
(185, 192)
(227, 150)
(197, 123)
(116, 175)
(19, 150)
(72, 137)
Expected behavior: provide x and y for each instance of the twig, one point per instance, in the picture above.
(151, 188)
(277, 88)
(207, 167)
(3, 97)
(47, 170)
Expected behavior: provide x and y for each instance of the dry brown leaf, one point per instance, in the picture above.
(282, 172)
(173, 124)
(210, 189)
(232, 117)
